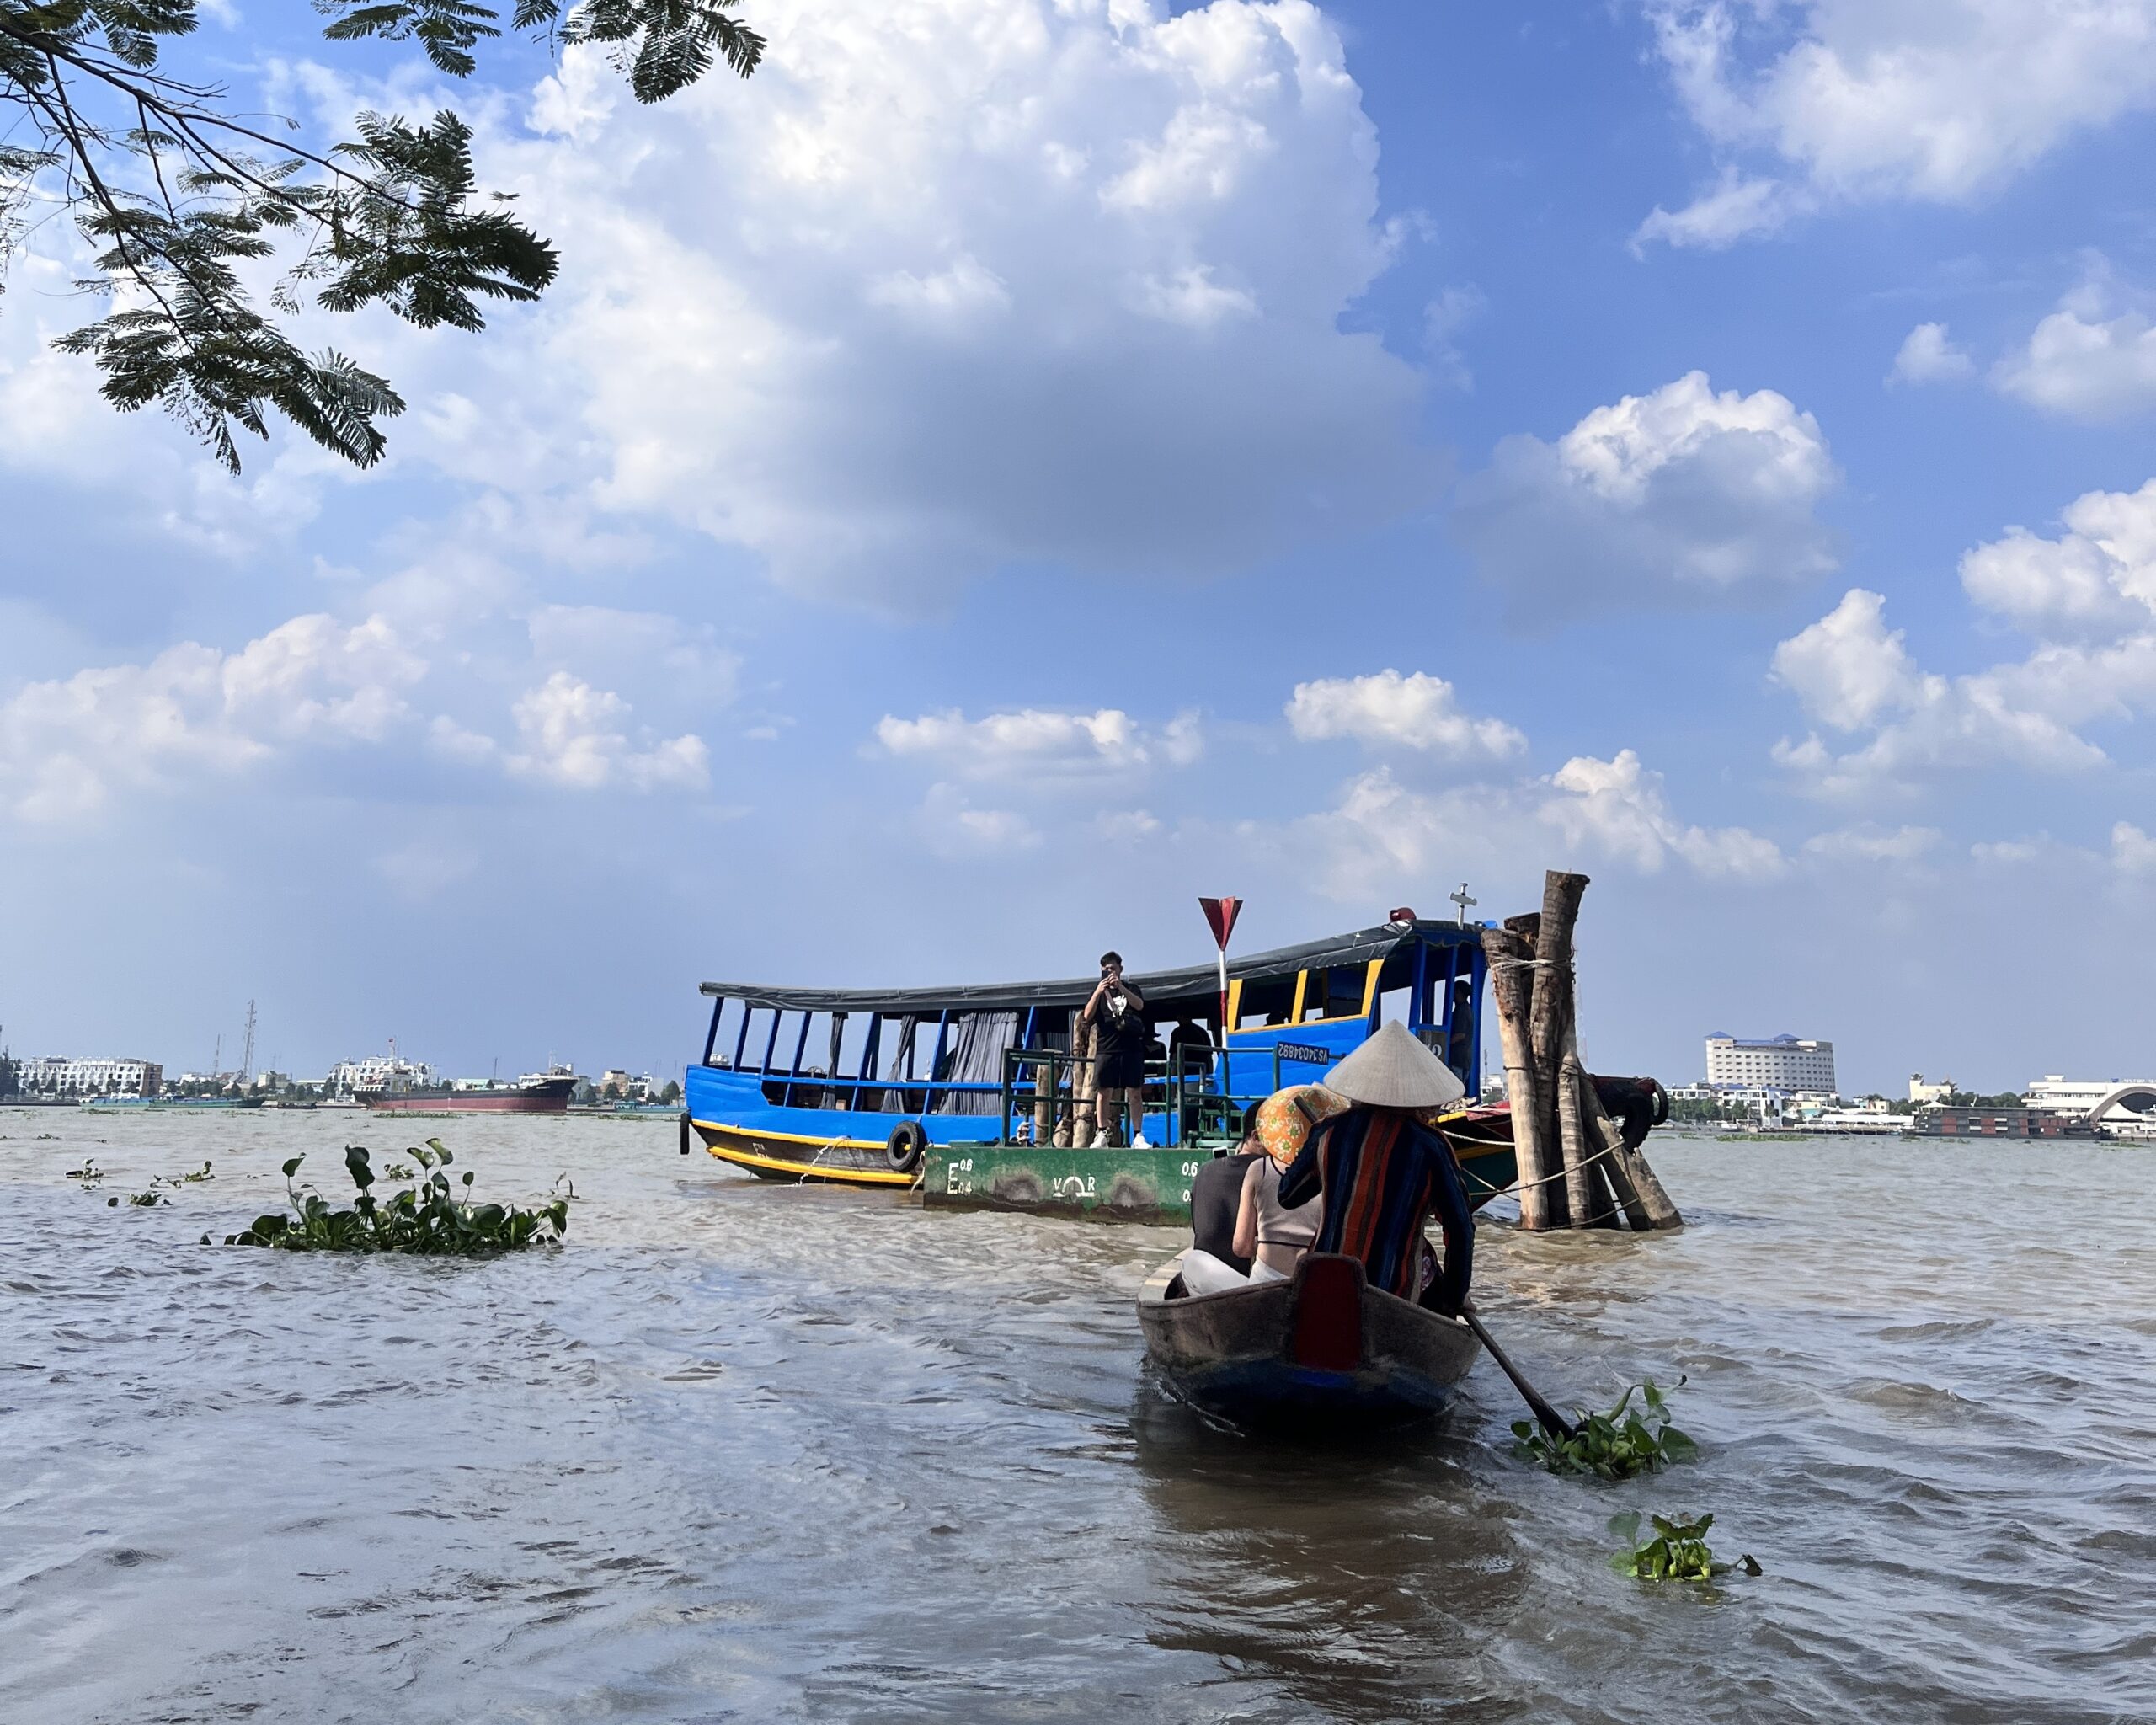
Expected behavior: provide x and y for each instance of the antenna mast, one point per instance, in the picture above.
(247, 1050)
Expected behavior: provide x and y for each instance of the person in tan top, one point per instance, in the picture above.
(1273, 1238)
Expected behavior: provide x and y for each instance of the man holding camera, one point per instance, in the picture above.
(1117, 1013)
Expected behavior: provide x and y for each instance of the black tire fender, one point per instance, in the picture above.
(684, 1132)
(904, 1148)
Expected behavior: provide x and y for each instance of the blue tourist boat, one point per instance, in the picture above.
(970, 1091)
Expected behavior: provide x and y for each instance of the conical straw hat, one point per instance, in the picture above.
(1393, 1070)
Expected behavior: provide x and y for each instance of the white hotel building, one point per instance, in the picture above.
(59, 1074)
(374, 1072)
(1789, 1064)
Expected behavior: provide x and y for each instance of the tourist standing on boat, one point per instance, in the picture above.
(1117, 1012)
(1380, 1170)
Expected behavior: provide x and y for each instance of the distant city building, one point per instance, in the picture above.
(374, 1072)
(619, 1084)
(1784, 1063)
(1997, 1123)
(58, 1075)
(2131, 1099)
(1929, 1095)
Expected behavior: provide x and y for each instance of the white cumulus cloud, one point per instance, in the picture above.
(949, 826)
(1417, 711)
(1384, 836)
(1682, 496)
(817, 314)
(1620, 809)
(2133, 851)
(194, 712)
(1848, 668)
(1853, 674)
(2098, 574)
(1874, 844)
(2090, 360)
(1927, 355)
(1862, 100)
(1739, 207)
(571, 734)
(1038, 746)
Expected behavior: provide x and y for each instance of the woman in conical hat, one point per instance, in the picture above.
(1381, 1170)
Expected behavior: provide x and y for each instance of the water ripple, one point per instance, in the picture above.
(759, 1453)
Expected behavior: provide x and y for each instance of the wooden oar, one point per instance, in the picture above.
(1553, 1422)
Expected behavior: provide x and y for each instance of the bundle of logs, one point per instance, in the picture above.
(1577, 1168)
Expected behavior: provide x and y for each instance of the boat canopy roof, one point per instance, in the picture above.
(1195, 987)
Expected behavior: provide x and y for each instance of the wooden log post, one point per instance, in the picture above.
(1552, 1014)
(1082, 1084)
(1587, 1186)
(1045, 1088)
(1603, 1134)
(1512, 992)
(1646, 1204)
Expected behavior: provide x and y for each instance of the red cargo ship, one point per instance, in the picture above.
(535, 1093)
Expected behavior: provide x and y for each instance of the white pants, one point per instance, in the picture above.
(1204, 1273)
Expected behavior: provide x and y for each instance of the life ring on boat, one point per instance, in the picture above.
(904, 1148)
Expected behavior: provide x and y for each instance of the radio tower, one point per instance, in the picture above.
(247, 1048)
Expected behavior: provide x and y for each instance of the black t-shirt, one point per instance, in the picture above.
(1216, 1196)
(1120, 1032)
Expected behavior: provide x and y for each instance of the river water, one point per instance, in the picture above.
(752, 1452)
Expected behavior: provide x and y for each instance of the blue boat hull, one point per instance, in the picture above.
(738, 1122)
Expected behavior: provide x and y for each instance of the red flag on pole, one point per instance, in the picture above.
(1220, 915)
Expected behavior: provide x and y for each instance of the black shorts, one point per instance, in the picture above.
(1122, 1069)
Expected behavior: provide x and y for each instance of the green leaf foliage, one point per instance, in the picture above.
(663, 45)
(447, 30)
(185, 196)
(1620, 1444)
(1677, 1551)
(422, 1218)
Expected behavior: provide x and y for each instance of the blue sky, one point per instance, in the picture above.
(1015, 465)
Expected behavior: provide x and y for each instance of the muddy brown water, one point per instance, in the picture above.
(754, 1452)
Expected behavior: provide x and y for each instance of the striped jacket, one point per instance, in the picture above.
(1383, 1171)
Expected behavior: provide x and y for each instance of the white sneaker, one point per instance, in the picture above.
(1139, 1143)
(1100, 1141)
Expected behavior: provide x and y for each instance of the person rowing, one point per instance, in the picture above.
(1380, 1171)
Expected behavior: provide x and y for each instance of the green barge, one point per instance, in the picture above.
(1141, 1185)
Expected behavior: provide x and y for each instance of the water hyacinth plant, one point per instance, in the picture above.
(1622, 1443)
(430, 1218)
(90, 1175)
(1679, 1552)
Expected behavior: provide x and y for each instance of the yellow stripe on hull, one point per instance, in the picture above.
(730, 1143)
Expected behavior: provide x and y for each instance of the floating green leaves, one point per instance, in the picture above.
(429, 1218)
(1679, 1552)
(1622, 1443)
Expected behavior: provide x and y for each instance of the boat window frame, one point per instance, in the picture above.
(1373, 973)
